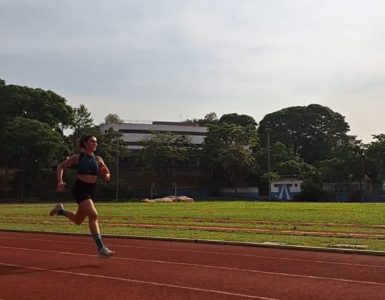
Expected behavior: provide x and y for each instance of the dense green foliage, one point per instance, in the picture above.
(312, 132)
(113, 119)
(307, 142)
(162, 152)
(228, 153)
(375, 158)
(236, 119)
(32, 141)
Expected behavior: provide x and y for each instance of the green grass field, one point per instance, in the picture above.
(308, 224)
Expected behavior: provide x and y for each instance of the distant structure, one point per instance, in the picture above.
(286, 189)
(248, 192)
(134, 133)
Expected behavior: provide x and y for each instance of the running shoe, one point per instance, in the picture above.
(54, 211)
(105, 252)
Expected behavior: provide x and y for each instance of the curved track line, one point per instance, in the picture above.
(210, 252)
(141, 282)
(208, 267)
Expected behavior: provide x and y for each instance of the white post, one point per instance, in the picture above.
(269, 162)
(175, 189)
(117, 169)
(152, 190)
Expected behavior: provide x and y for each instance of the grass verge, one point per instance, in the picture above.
(285, 221)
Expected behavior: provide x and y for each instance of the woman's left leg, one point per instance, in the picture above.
(90, 210)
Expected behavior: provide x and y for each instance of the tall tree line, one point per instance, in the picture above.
(308, 142)
(32, 140)
(311, 143)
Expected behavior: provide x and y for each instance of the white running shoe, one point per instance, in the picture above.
(105, 252)
(54, 211)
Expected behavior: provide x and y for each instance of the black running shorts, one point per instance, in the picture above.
(83, 190)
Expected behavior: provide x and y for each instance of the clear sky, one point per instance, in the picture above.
(173, 59)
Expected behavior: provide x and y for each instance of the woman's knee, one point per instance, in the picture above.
(79, 221)
(89, 210)
(93, 215)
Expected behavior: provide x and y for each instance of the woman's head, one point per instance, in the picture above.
(88, 143)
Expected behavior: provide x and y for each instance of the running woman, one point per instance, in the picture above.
(88, 168)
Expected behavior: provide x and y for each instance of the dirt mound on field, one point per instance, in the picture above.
(169, 199)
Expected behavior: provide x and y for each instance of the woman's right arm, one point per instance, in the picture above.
(60, 171)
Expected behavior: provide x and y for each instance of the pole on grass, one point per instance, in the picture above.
(175, 189)
(152, 190)
(269, 161)
(117, 170)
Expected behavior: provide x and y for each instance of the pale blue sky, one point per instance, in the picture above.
(163, 59)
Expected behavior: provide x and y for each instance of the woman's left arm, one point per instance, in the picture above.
(104, 171)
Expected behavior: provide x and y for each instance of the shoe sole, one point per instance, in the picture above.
(54, 212)
(106, 256)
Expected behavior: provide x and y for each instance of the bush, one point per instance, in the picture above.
(107, 191)
(313, 192)
(354, 196)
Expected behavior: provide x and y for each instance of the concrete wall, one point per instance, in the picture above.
(249, 192)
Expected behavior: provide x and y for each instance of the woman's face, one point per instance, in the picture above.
(91, 144)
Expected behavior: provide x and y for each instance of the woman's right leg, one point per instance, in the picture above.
(78, 217)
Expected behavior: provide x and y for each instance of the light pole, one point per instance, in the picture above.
(152, 190)
(269, 161)
(117, 170)
(175, 189)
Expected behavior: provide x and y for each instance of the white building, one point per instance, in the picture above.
(286, 189)
(134, 133)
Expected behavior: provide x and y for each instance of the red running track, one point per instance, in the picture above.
(48, 266)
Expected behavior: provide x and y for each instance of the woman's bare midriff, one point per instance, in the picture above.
(87, 178)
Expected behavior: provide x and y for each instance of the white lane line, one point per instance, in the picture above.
(208, 267)
(141, 282)
(210, 252)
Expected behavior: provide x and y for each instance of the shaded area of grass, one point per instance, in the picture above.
(115, 219)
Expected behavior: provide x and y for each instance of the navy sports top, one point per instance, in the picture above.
(88, 165)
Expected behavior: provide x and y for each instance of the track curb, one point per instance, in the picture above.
(218, 242)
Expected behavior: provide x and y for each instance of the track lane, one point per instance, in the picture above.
(306, 267)
(203, 270)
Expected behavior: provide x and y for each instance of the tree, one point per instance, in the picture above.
(82, 121)
(161, 152)
(34, 104)
(37, 104)
(228, 153)
(313, 131)
(236, 119)
(375, 158)
(346, 164)
(210, 118)
(31, 146)
(236, 161)
(113, 119)
(109, 144)
(285, 163)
